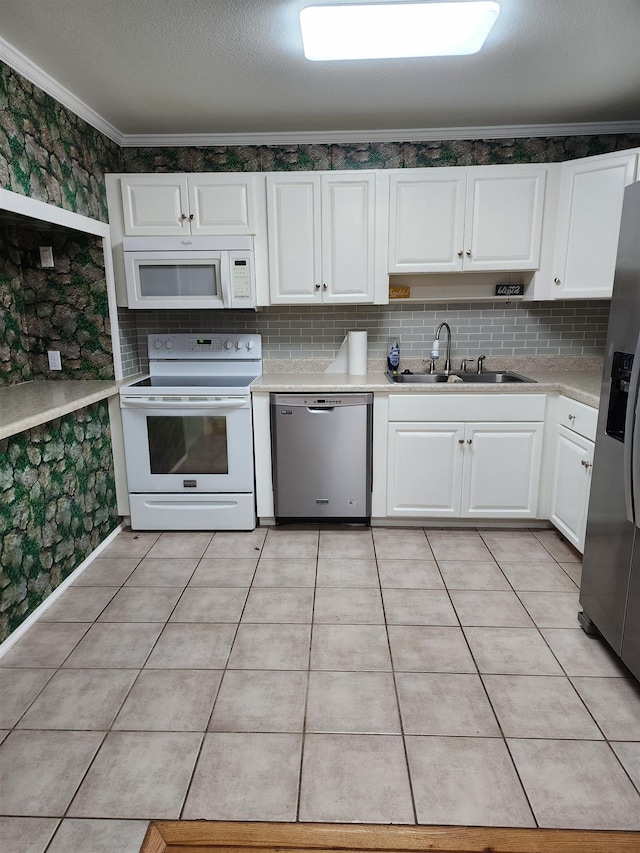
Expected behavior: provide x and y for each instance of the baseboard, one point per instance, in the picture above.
(33, 617)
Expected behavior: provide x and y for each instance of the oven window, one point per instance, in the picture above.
(184, 279)
(188, 445)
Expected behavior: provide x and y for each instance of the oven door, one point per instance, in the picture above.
(188, 444)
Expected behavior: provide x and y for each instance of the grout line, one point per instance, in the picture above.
(225, 668)
(224, 671)
(303, 736)
(397, 695)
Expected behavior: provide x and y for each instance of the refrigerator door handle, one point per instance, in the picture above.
(632, 443)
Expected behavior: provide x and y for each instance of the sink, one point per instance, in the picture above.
(487, 378)
(422, 378)
(492, 377)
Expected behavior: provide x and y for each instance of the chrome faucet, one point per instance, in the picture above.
(481, 359)
(435, 352)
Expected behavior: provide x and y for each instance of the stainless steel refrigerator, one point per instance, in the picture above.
(610, 588)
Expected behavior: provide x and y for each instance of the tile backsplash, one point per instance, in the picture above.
(493, 328)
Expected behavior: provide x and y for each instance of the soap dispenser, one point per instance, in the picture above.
(393, 357)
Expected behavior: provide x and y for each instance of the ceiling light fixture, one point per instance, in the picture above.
(394, 30)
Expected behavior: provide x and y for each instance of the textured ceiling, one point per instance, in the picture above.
(236, 66)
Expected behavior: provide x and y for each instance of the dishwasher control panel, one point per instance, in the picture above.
(289, 401)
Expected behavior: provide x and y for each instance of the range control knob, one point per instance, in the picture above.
(168, 344)
(249, 345)
(228, 344)
(157, 343)
(239, 345)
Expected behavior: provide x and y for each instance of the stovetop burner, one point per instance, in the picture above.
(194, 381)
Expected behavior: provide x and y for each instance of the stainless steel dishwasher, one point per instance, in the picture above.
(321, 449)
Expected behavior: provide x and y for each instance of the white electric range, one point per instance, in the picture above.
(188, 433)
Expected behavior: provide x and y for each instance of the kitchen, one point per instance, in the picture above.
(297, 332)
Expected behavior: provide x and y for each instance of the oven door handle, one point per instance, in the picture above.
(205, 403)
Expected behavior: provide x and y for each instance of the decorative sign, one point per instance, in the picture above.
(397, 292)
(509, 289)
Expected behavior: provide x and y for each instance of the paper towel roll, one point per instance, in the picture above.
(352, 355)
(340, 362)
(357, 353)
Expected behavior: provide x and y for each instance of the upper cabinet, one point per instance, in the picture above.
(590, 208)
(458, 219)
(322, 238)
(208, 204)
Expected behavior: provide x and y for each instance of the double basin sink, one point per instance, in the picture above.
(488, 377)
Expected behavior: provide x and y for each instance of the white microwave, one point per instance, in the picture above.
(189, 272)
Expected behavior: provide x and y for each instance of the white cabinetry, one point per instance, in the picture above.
(457, 219)
(210, 204)
(322, 238)
(474, 456)
(572, 471)
(591, 193)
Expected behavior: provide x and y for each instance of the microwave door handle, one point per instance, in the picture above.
(632, 442)
(225, 280)
(142, 403)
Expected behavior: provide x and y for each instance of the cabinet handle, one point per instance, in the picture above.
(324, 287)
(556, 281)
(469, 441)
(586, 464)
(572, 417)
(317, 287)
(184, 216)
(460, 253)
(461, 441)
(191, 217)
(468, 253)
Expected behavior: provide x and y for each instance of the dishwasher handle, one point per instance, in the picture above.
(318, 410)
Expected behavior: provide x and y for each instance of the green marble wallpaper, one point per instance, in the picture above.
(375, 155)
(64, 308)
(49, 153)
(57, 504)
(15, 364)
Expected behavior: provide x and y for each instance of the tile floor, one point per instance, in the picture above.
(383, 675)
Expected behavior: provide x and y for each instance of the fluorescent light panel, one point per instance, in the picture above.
(393, 30)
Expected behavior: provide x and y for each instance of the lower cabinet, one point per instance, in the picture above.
(572, 471)
(464, 469)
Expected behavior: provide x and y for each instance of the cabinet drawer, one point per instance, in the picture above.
(466, 407)
(578, 417)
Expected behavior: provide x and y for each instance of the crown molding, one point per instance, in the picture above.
(327, 137)
(38, 77)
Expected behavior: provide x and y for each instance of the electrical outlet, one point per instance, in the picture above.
(46, 257)
(54, 359)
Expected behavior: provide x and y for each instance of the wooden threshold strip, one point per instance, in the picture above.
(202, 836)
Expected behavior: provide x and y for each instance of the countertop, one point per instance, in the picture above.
(31, 404)
(581, 385)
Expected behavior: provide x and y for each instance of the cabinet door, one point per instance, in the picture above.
(501, 470)
(348, 231)
(293, 209)
(571, 485)
(221, 204)
(155, 205)
(591, 194)
(424, 469)
(426, 220)
(503, 221)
